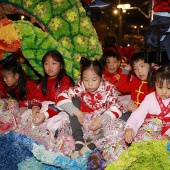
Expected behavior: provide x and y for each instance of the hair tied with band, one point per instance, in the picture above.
(156, 67)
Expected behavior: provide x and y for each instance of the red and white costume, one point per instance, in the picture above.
(102, 101)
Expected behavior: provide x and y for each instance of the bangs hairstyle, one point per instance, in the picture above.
(59, 58)
(135, 58)
(107, 54)
(15, 68)
(162, 74)
(55, 55)
(95, 65)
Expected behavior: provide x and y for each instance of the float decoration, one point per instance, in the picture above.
(144, 155)
(64, 24)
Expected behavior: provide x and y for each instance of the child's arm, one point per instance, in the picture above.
(125, 84)
(96, 124)
(137, 117)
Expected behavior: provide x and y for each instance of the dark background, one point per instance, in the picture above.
(108, 24)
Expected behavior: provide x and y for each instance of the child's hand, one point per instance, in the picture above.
(129, 135)
(38, 119)
(127, 67)
(165, 137)
(131, 107)
(35, 111)
(80, 116)
(96, 124)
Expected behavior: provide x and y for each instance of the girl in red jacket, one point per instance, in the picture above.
(18, 86)
(55, 81)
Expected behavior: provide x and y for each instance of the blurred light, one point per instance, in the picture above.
(135, 26)
(22, 17)
(123, 6)
(115, 11)
(124, 11)
(141, 26)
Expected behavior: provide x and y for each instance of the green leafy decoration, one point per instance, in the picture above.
(150, 155)
(69, 31)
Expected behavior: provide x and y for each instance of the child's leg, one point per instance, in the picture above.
(125, 116)
(76, 131)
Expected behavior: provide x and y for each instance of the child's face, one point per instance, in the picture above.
(52, 67)
(141, 69)
(163, 91)
(91, 80)
(9, 78)
(112, 64)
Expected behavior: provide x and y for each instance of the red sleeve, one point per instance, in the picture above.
(3, 89)
(32, 95)
(65, 83)
(125, 85)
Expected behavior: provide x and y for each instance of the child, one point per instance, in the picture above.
(55, 81)
(98, 100)
(112, 70)
(18, 86)
(152, 119)
(137, 86)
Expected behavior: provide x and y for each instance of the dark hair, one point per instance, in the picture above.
(163, 73)
(15, 68)
(86, 63)
(137, 57)
(109, 41)
(59, 58)
(107, 54)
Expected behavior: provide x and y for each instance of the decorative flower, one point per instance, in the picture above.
(40, 9)
(27, 3)
(9, 42)
(71, 15)
(57, 3)
(56, 23)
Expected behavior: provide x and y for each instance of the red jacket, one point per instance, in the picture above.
(3, 89)
(161, 5)
(31, 96)
(53, 93)
(112, 78)
(136, 87)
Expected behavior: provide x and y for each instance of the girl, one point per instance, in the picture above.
(55, 81)
(98, 100)
(152, 119)
(18, 86)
